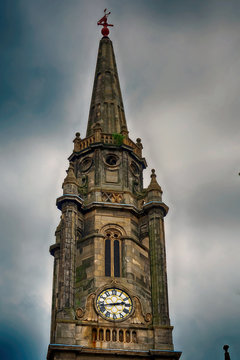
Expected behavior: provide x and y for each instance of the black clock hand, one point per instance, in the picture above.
(119, 303)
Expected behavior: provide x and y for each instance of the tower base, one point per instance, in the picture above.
(74, 352)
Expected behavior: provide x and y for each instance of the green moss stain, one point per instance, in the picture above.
(81, 271)
(118, 138)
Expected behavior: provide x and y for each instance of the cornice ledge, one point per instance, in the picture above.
(54, 248)
(69, 197)
(135, 241)
(90, 236)
(167, 353)
(110, 205)
(154, 203)
(125, 353)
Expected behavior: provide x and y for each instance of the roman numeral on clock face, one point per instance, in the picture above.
(102, 308)
(114, 304)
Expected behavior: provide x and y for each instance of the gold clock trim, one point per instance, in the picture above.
(114, 304)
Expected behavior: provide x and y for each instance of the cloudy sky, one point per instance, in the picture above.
(178, 64)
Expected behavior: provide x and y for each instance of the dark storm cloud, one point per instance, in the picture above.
(178, 63)
(26, 232)
(28, 87)
(41, 57)
(214, 204)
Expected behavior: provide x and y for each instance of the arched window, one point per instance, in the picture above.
(107, 257)
(127, 336)
(114, 335)
(120, 335)
(101, 334)
(94, 334)
(116, 259)
(107, 335)
(112, 253)
(134, 336)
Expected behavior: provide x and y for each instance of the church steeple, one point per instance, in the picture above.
(106, 105)
(110, 294)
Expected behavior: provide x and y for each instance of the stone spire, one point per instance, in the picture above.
(154, 184)
(70, 185)
(154, 190)
(106, 107)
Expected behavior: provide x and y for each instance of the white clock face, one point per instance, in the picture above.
(114, 304)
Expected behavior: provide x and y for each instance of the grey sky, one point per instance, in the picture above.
(178, 64)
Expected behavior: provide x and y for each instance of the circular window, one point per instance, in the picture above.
(85, 164)
(134, 168)
(112, 160)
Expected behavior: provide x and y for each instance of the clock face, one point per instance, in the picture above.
(114, 304)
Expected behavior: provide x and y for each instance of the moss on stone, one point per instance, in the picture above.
(118, 138)
(81, 271)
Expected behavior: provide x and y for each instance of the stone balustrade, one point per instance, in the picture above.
(81, 144)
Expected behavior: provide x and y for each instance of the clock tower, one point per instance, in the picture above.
(110, 297)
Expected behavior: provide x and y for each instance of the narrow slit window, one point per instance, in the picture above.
(107, 335)
(127, 336)
(107, 257)
(94, 334)
(134, 336)
(113, 248)
(116, 259)
(114, 335)
(101, 334)
(121, 336)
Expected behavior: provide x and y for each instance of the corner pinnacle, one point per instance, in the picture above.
(154, 184)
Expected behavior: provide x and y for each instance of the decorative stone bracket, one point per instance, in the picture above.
(89, 314)
(138, 316)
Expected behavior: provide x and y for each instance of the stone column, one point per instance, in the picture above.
(156, 211)
(67, 257)
(159, 288)
(158, 268)
(54, 250)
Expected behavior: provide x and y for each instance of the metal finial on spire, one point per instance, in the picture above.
(104, 23)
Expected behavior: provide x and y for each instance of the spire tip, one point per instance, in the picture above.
(104, 23)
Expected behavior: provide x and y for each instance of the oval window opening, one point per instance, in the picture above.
(85, 164)
(112, 160)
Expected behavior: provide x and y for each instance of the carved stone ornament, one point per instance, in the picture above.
(148, 317)
(112, 160)
(134, 168)
(79, 313)
(85, 164)
(83, 186)
(138, 317)
(89, 313)
(112, 197)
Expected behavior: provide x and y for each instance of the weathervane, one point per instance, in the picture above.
(103, 22)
